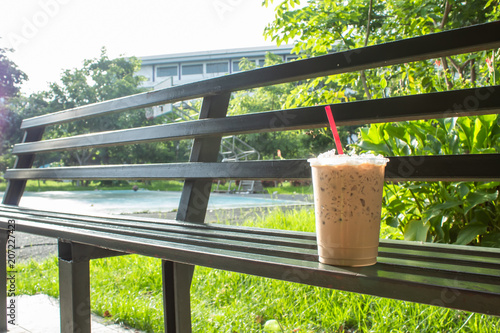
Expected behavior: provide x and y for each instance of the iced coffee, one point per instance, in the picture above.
(348, 200)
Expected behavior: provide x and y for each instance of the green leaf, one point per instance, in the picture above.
(446, 205)
(463, 190)
(370, 134)
(397, 206)
(450, 123)
(488, 121)
(479, 137)
(469, 233)
(491, 239)
(380, 148)
(488, 185)
(416, 230)
(488, 4)
(392, 221)
(383, 83)
(433, 144)
(398, 132)
(477, 198)
(419, 132)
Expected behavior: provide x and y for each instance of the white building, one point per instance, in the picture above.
(174, 69)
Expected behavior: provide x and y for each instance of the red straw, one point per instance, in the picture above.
(334, 129)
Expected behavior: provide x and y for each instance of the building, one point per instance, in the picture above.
(174, 69)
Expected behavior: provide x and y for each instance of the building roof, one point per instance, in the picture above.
(215, 54)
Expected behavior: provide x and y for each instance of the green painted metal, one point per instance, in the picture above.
(469, 277)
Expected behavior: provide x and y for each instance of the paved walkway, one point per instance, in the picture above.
(40, 314)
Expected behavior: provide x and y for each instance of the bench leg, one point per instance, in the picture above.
(74, 291)
(176, 296)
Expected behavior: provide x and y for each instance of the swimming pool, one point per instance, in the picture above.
(128, 201)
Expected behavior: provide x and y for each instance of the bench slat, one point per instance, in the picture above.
(475, 101)
(464, 40)
(428, 280)
(244, 243)
(145, 222)
(465, 259)
(430, 168)
(481, 256)
(162, 229)
(429, 261)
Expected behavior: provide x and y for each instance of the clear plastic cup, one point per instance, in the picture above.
(348, 201)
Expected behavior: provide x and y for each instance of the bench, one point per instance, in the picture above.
(458, 277)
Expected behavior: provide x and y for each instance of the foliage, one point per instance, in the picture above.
(11, 77)
(442, 212)
(327, 25)
(98, 80)
(266, 99)
(449, 212)
(290, 144)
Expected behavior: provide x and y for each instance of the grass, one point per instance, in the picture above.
(52, 185)
(157, 185)
(288, 188)
(129, 289)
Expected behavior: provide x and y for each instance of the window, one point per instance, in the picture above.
(166, 71)
(236, 66)
(217, 67)
(260, 62)
(192, 69)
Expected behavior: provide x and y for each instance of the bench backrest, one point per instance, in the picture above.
(213, 123)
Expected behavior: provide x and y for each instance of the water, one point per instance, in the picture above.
(128, 201)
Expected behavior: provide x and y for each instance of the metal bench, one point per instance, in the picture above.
(459, 277)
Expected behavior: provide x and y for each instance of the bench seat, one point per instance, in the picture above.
(460, 277)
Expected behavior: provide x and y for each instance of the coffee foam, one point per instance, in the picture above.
(330, 158)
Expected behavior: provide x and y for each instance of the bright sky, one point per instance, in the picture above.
(52, 35)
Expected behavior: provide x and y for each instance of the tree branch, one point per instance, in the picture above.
(447, 10)
(457, 66)
(446, 70)
(370, 8)
(365, 85)
(472, 71)
(367, 35)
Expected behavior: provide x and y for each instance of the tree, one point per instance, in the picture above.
(291, 144)
(11, 77)
(441, 212)
(97, 80)
(328, 25)
(267, 99)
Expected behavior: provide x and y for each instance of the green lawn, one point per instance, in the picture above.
(51, 185)
(157, 185)
(129, 288)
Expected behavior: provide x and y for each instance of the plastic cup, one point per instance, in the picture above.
(348, 201)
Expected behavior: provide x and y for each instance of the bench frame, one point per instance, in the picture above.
(445, 275)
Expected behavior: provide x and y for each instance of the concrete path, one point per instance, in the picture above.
(40, 314)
